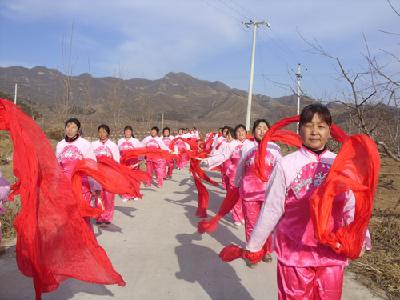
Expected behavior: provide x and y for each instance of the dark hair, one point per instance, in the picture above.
(237, 127)
(309, 111)
(128, 127)
(257, 122)
(105, 127)
(166, 128)
(155, 128)
(225, 128)
(73, 120)
(231, 131)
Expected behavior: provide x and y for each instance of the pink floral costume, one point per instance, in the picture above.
(109, 149)
(68, 154)
(306, 269)
(181, 147)
(4, 190)
(170, 163)
(157, 165)
(228, 157)
(125, 144)
(251, 188)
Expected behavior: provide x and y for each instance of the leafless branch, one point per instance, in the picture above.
(393, 8)
(388, 32)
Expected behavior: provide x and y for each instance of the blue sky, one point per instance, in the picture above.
(149, 38)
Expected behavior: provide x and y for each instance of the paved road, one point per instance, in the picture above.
(154, 245)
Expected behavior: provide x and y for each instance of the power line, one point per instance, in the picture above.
(224, 12)
(284, 46)
(233, 9)
(250, 15)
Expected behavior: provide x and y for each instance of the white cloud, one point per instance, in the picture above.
(153, 37)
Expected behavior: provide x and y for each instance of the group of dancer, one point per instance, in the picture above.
(74, 147)
(287, 206)
(310, 207)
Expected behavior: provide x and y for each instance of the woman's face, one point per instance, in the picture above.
(153, 133)
(180, 131)
(315, 134)
(241, 134)
(71, 130)
(166, 133)
(260, 131)
(229, 138)
(128, 133)
(103, 135)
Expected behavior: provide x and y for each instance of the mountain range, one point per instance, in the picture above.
(178, 98)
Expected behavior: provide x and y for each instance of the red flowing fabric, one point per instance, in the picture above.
(208, 143)
(54, 243)
(194, 153)
(338, 134)
(274, 134)
(232, 252)
(202, 198)
(152, 153)
(195, 163)
(209, 226)
(113, 177)
(134, 177)
(218, 146)
(198, 174)
(195, 168)
(356, 168)
(284, 136)
(192, 143)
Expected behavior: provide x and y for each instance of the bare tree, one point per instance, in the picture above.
(370, 99)
(64, 107)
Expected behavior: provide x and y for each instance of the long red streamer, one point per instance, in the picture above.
(152, 153)
(231, 198)
(53, 241)
(113, 177)
(198, 174)
(355, 168)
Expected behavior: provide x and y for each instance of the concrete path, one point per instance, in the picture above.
(153, 243)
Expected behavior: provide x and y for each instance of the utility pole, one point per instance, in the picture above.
(255, 25)
(15, 93)
(298, 76)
